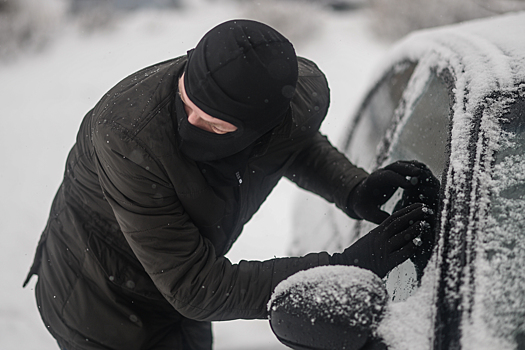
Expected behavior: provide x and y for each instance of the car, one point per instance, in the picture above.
(453, 98)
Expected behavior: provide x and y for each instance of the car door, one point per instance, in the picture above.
(482, 303)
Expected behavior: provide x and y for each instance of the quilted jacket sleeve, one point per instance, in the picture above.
(322, 169)
(180, 261)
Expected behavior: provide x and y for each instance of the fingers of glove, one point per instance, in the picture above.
(407, 168)
(401, 255)
(427, 178)
(425, 195)
(418, 173)
(404, 237)
(424, 190)
(418, 164)
(430, 179)
(416, 207)
(389, 179)
(403, 219)
(428, 237)
(375, 215)
(414, 163)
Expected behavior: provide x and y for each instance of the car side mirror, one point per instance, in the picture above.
(327, 308)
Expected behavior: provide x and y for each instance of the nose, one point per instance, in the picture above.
(192, 118)
(195, 120)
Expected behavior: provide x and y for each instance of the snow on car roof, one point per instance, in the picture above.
(487, 53)
(484, 56)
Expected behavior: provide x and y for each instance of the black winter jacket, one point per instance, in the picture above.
(132, 256)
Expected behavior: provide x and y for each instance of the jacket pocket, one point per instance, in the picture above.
(121, 268)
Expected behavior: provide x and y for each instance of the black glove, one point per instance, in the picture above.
(426, 191)
(371, 193)
(389, 244)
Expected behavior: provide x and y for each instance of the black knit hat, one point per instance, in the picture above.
(243, 72)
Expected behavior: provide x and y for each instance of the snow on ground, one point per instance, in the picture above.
(44, 97)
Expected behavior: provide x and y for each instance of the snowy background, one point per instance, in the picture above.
(54, 68)
(45, 94)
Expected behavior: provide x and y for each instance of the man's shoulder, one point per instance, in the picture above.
(134, 117)
(308, 68)
(132, 101)
(311, 100)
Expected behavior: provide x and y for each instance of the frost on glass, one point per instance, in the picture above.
(502, 285)
(422, 135)
(376, 116)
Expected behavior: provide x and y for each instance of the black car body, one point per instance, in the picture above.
(454, 99)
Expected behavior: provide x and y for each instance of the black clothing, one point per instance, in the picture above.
(132, 256)
(227, 171)
(390, 243)
(243, 72)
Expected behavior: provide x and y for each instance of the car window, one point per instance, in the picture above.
(422, 135)
(502, 240)
(375, 116)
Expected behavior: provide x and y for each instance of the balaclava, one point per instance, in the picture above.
(243, 72)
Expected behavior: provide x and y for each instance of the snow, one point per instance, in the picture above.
(484, 59)
(499, 310)
(327, 293)
(484, 56)
(408, 325)
(45, 95)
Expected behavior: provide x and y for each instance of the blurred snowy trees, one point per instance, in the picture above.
(389, 19)
(392, 19)
(299, 21)
(28, 25)
(92, 15)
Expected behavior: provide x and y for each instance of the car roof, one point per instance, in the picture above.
(485, 57)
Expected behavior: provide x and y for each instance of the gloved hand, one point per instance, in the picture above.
(367, 197)
(389, 244)
(426, 192)
(425, 189)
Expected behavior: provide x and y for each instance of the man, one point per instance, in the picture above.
(169, 166)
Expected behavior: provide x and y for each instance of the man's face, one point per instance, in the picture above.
(197, 117)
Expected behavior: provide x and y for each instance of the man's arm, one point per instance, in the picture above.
(318, 167)
(322, 169)
(182, 263)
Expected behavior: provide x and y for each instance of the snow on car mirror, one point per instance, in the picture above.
(329, 307)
